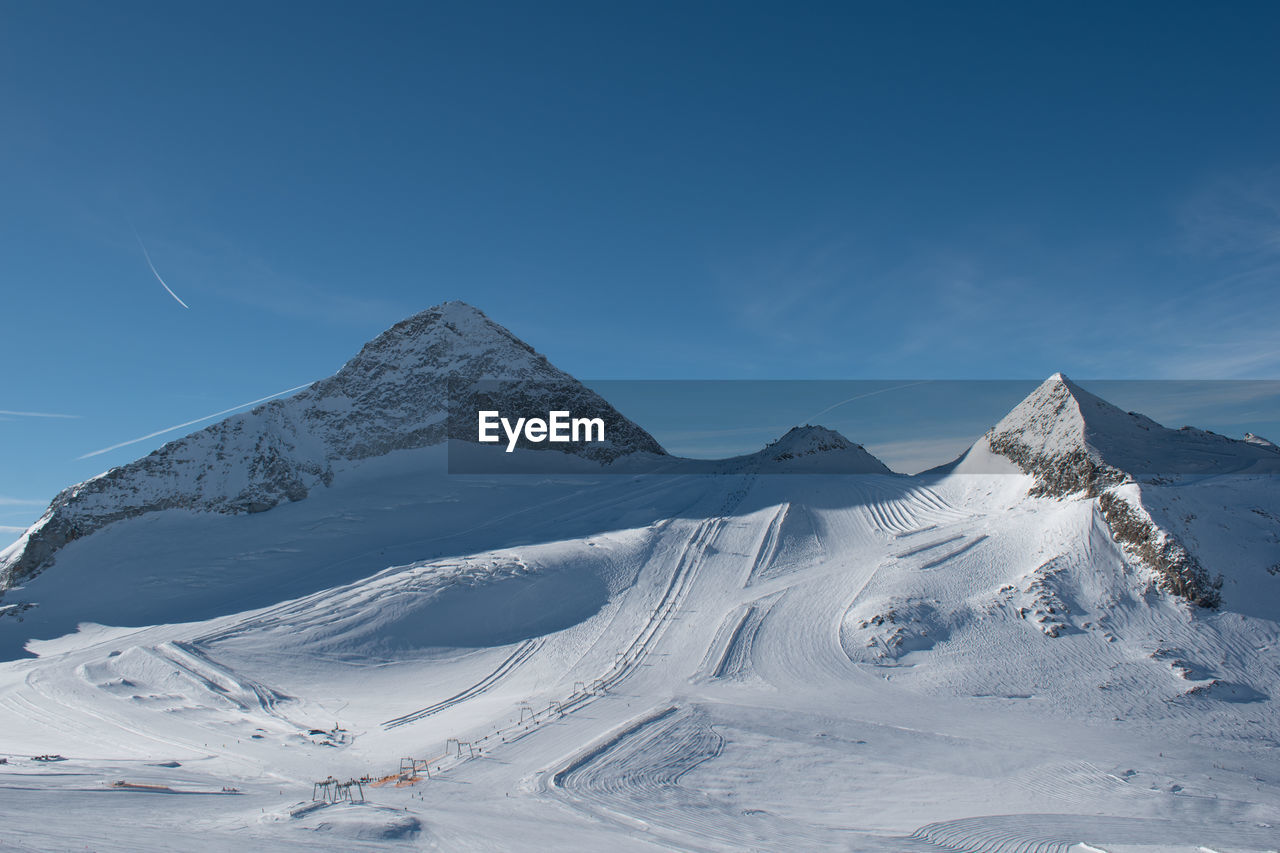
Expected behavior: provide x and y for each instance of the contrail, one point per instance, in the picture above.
(812, 418)
(18, 502)
(35, 414)
(146, 255)
(196, 421)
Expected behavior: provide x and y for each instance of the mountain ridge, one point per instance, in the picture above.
(394, 394)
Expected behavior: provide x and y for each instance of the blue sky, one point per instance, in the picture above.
(656, 190)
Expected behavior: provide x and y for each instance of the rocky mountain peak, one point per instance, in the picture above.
(451, 336)
(807, 439)
(1073, 442)
(1061, 426)
(393, 395)
(1059, 416)
(817, 448)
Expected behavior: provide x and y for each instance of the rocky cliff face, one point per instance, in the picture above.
(1074, 442)
(393, 395)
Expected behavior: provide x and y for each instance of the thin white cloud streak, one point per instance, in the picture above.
(4, 501)
(814, 417)
(1235, 214)
(36, 414)
(147, 255)
(224, 269)
(194, 422)
(9, 528)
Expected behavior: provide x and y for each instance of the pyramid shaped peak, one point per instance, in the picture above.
(1063, 384)
(819, 449)
(1059, 404)
(1072, 439)
(807, 439)
(1061, 417)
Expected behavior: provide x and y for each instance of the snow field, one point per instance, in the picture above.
(700, 678)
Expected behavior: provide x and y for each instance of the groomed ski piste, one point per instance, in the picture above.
(690, 662)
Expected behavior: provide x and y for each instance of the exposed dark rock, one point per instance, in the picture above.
(1179, 572)
(1061, 474)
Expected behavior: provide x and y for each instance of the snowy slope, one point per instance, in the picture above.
(822, 662)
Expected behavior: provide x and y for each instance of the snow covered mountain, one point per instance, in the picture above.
(988, 657)
(814, 450)
(1072, 441)
(394, 395)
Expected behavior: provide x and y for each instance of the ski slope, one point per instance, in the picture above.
(691, 662)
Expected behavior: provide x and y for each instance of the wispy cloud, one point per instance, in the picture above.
(35, 414)
(6, 501)
(1220, 323)
(9, 528)
(261, 283)
(790, 291)
(193, 422)
(1238, 214)
(1254, 353)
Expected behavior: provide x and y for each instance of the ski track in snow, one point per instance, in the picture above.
(1057, 833)
(522, 652)
(636, 776)
(667, 715)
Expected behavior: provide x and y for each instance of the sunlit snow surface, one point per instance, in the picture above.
(706, 662)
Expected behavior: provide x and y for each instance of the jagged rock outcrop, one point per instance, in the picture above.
(394, 394)
(1177, 568)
